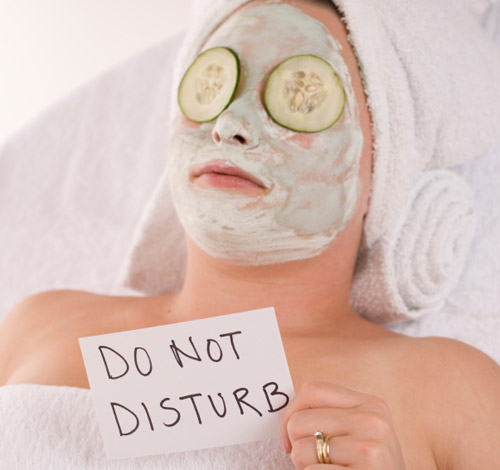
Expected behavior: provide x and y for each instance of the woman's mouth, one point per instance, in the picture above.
(224, 175)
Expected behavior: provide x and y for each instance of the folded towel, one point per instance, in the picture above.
(472, 311)
(432, 76)
(74, 182)
(433, 237)
(48, 427)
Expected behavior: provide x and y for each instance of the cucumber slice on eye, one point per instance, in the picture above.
(303, 93)
(209, 84)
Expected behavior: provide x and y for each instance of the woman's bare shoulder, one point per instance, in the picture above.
(47, 309)
(51, 303)
(449, 369)
(60, 303)
(459, 388)
(39, 307)
(450, 359)
(46, 321)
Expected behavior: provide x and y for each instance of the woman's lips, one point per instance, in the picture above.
(223, 175)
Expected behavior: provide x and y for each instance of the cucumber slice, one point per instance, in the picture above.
(303, 93)
(209, 84)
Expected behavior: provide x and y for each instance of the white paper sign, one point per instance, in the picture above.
(192, 385)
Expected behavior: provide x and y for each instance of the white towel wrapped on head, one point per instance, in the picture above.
(157, 263)
(432, 77)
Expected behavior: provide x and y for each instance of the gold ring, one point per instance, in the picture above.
(319, 446)
(326, 449)
(322, 447)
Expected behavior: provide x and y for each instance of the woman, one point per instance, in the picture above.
(387, 401)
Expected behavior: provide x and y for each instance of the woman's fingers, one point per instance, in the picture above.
(359, 426)
(345, 452)
(317, 394)
(304, 453)
(325, 467)
(336, 422)
(323, 395)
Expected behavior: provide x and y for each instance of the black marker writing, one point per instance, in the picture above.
(232, 341)
(209, 350)
(106, 357)
(128, 419)
(239, 399)
(191, 397)
(214, 349)
(117, 366)
(176, 351)
(220, 415)
(144, 374)
(273, 393)
(177, 419)
(148, 416)
(120, 429)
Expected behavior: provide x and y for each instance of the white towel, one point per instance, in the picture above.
(432, 75)
(55, 428)
(157, 261)
(480, 7)
(74, 182)
(472, 311)
(410, 271)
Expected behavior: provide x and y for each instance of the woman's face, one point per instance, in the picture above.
(248, 190)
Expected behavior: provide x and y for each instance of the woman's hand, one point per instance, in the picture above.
(360, 427)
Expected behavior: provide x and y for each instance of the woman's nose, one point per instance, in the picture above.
(233, 127)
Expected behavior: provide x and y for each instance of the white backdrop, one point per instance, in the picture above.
(48, 48)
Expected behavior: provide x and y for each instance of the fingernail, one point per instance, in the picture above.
(283, 445)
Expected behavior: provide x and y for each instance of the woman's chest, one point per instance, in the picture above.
(406, 407)
(59, 362)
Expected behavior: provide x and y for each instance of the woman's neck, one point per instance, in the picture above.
(308, 296)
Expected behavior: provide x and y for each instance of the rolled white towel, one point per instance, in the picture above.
(411, 270)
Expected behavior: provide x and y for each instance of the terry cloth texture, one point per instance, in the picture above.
(55, 428)
(432, 77)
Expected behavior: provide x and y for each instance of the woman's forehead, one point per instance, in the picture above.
(274, 30)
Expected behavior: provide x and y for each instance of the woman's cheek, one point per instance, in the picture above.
(304, 140)
(185, 122)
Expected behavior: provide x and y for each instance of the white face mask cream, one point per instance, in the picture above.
(307, 184)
